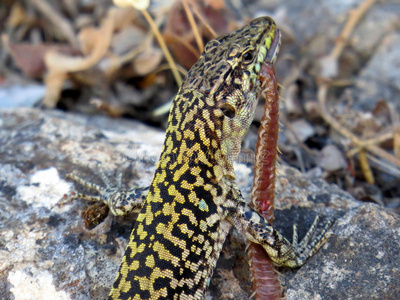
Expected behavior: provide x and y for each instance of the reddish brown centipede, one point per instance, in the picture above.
(265, 281)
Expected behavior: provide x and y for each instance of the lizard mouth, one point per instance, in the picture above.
(267, 66)
(273, 51)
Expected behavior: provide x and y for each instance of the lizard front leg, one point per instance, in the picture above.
(283, 253)
(120, 201)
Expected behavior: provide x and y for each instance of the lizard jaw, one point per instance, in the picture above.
(273, 51)
(267, 67)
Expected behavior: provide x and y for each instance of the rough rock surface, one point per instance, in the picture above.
(47, 253)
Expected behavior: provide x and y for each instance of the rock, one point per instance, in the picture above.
(302, 129)
(21, 95)
(380, 79)
(46, 251)
(332, 159)
(358, 265)
(45, 248)
(359, 260)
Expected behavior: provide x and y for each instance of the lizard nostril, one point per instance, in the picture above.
(228, 110)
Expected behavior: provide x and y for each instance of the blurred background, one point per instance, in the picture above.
(338, 69)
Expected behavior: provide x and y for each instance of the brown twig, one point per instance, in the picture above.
(163, 46)
(354, 17)
(163, 67)
(396, 142)
(396, 131)
(204, 21)
(369, 176)
(385, 166)
(193, 24)
(378, 140)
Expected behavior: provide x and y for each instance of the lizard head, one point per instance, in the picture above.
(230, 74)
(220, 92)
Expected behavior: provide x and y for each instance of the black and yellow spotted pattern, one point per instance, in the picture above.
(193, 199)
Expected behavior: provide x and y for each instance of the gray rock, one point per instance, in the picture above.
(359, 260)
(21, 95)
(380, 79)
(302, 129)
(46, 251)
(332, 159)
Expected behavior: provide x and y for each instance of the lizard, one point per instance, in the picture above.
(193, 200)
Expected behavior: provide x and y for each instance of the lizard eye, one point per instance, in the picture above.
(248, 56)
(228, 110)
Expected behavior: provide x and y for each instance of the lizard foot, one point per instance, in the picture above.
(120, 201)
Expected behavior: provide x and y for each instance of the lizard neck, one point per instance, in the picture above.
(194, 137)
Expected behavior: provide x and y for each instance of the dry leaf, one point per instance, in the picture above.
(382, 111)
(30, 58)
(216, 4)
(111, 110)
(127, 39)
(59, 65)
(179, 36)
(55, 60)
(183, 49)
(124, 17)
(396, 142)
(54, 81)
(138, 4)
(60, 25)
(88, 39)
(17, 16)
(147, 61)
